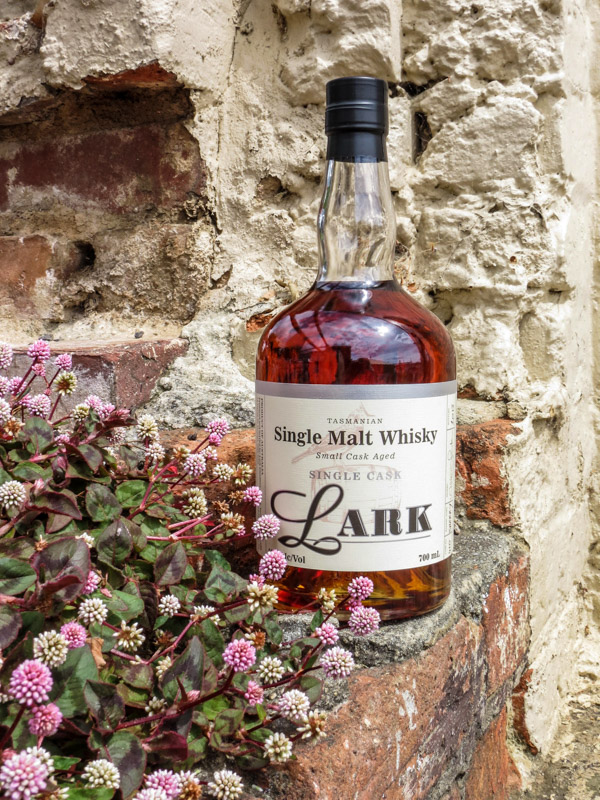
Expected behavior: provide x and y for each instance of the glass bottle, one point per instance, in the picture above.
(356, 395)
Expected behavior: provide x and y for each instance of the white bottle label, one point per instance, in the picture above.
(361, 477)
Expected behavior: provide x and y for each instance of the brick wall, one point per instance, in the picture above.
(159, 178)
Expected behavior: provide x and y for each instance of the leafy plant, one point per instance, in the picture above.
(130, 648)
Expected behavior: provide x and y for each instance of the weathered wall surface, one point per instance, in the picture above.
(160, 167)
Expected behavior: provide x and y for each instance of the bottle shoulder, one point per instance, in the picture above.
(353, 333)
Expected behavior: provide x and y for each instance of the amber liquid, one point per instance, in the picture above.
(358, 333)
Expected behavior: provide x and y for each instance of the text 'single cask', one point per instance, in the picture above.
(356, 395)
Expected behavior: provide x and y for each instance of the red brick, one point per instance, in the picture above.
(114, 170)
(124, 373)
(146, 76)
(400, 727)
(506, 623)
(493, 774)
(519, 718)
(23, 259)
(479, 452)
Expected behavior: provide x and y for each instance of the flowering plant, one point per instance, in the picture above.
(129, 650)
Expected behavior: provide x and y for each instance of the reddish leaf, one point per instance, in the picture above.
(64, 503)
(170, 745)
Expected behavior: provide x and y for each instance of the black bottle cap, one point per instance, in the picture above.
(357, 104)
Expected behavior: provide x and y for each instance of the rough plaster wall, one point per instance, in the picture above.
(494, 201)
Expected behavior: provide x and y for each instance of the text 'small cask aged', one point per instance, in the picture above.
(356, 395)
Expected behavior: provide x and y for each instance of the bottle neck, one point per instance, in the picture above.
(356, 223)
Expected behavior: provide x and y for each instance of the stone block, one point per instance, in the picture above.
(23, 259)
(124, 373)
(482, 485)
(119, 171)
(399, 729)
(506, 623)
(493, 775)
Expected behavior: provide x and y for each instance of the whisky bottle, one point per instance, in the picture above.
(356, 395)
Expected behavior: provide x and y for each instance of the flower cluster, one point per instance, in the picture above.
(126, 617)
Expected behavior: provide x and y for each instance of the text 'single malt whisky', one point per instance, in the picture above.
(356, 395)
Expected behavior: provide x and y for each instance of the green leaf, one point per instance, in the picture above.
(57, 522)
(137, 698)
(83, 792)
(213, 641)
(316, 620)
(141, 676)
(63, 502)
(220, 585)
(28, 471)
(196, 750)
(10, 624)
(124, 605)
(170, 564)
(105, 704)
(15, 576)
(192, 669)
(39, 432)
(101, 504)
(228, 721)
(70, 679)
(212, 707)
(274, 631)
(216, 559)
(131, 493)
(127, 754)
(64, 762)
(114, 544)
(312, 687)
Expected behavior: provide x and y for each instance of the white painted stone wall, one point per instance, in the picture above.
(495, 220)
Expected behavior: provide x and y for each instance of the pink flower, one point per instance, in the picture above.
(240, 655)
(75, 634)
(253, 495)
(30, 683)
(273, 565)
(220, 426)
(164, 779)
(327, 633)
(14, 384)
(62, 438)
(93, 401)
(64, 361)
(105, 410)
(6, 355)
(194, 465)
(258, 579)
(266, 527)
(254, 693)
(39, 369)
(360, 587)
(39, 351)
(45, 720)
(364, 620)
(4, 384)
(337, 663)
(38, 406)
(92, 582)
(215, 439)
(22, 776)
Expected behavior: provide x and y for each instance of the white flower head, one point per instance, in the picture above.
(270, 669)
(169, 605)
(91, 610)
(102, 773)
(147, 427)
(278, 747)
(226, 785)
(51, 647)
